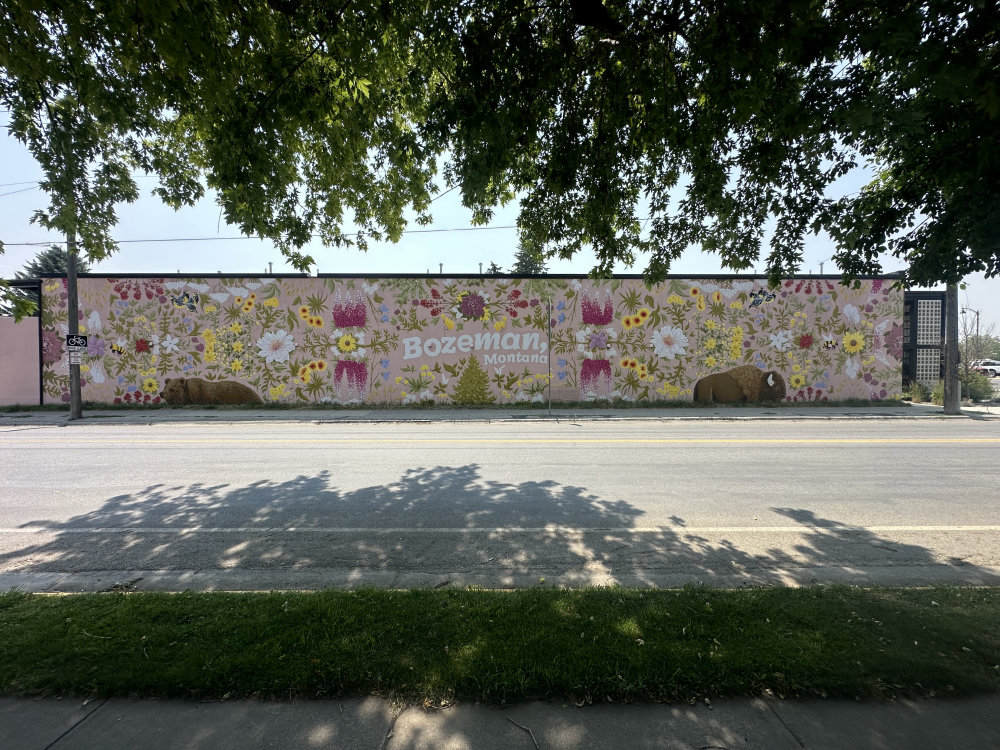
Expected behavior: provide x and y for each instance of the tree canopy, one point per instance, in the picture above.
(529, 260)
(53, 261)
(629, 126)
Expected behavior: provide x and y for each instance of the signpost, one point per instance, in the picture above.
(76, 345)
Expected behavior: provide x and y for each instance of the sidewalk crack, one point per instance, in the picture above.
(780, 718)
(90, 713)
(391, 731)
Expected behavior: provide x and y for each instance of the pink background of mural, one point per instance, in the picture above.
(471, 340)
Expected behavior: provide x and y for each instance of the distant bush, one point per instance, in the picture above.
(975, 386)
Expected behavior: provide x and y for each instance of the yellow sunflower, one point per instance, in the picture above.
(853, 342)
(347, 343)
(798, 380)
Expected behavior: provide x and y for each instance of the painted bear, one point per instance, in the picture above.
(201, 391)
(745, 383)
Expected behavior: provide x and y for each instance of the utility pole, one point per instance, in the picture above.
(58, 126)
(952, 387)
(73, 325)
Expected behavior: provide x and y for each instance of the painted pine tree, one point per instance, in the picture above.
(473, 385)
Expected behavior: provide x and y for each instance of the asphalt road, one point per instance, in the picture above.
(251, 505)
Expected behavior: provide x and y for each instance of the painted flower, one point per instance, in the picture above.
(472, 306)
(780, 340)
(669, 341)
(95, 347)
(275, 346)
(804, 341)
(150, 385)
(852, 367)
(852, 314)
(598, 340)
(798, 380)
(595, 342)
(596, 309)
(595, 378)
(853, 341)
(349, 311)
(141, 346)
(51, 347)
(347, 343)
(169, 344)
(894, 341)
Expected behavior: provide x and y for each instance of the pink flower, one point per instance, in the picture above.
(595, 375)
(894, 341)
(594, 313)
(355, 372)
(348, 312)
(51, 347)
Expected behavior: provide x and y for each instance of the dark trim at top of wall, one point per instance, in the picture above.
(623, 276)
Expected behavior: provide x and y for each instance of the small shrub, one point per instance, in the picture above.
(918, 392)
(937, 395)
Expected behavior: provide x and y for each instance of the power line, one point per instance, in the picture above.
(12, 184)
(22, 190)
(259, 237)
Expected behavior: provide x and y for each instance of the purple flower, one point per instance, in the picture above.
(598, 340)
(472, 306)
(95, 347)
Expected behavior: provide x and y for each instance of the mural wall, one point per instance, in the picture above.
(474, 340)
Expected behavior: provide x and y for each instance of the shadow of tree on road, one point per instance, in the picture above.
(449, 523)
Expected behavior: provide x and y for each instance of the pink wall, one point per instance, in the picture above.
(18, 361)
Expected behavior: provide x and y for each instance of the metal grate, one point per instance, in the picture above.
(928, 323)
(928, 367)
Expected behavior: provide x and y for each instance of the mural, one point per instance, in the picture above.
(475, 340)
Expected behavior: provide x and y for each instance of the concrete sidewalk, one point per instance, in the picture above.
(492, 414)
(376, 724)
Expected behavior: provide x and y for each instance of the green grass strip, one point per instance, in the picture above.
(502, 646)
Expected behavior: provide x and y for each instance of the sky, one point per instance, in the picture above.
(157, 240)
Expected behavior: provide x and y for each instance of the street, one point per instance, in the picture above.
(253, 505)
